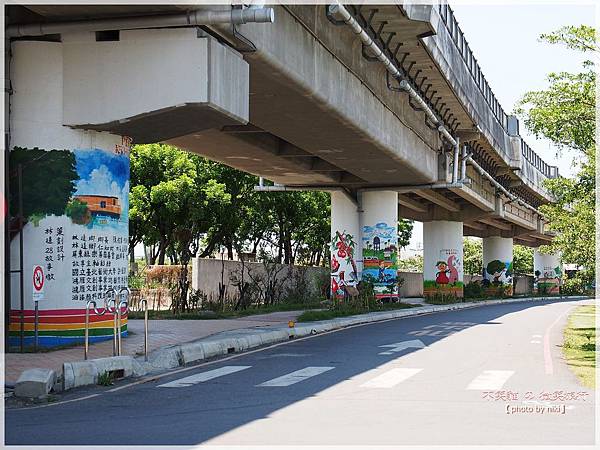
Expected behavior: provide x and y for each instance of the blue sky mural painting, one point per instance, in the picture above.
(104, 187)
(81, 244)
(380, 254)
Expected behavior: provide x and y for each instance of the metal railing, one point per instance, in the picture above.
(124, 303)
(117, 311)
(145, 303)
(471, 62)
(86, 344)
(534, 159)
(113, 311)
(473, 66)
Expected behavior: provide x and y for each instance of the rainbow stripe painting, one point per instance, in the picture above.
(62, 327)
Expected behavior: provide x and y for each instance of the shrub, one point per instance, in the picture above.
(573, 286)
(474, 289)
(106, 379)
(164, 275)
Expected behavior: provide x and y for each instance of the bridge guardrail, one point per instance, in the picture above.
(470, 61)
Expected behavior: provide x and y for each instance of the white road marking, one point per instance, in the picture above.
(204, 376)
(295, 377)
(399, 346)
(536, 336)
(391, 378)
(490, 380)
(535, 342)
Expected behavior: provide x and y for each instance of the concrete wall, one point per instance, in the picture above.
(523, 285)
(472, 278)
(412, 285)
(207, 273)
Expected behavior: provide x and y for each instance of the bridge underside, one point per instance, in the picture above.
(305, 109)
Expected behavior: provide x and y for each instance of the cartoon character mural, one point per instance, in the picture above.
(447, 275)
(441, 276)
(380, 255)
(548, 282)
(343, 266)
(498, 274)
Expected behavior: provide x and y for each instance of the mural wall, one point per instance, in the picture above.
(448, 274)
(380, 256)
(498, 265)
(443, 258)
(76, 205)
(548, 273)
(343, 267)
(498, 274)
(547, 280)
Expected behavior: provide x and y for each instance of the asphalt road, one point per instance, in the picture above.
(482, 376)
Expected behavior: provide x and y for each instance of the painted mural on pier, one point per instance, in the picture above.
(548, 281)
(498, 275)
(76, 208)
(380, 258)
(448, 270)
(343, 266)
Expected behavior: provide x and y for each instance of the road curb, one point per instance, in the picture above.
(84, 373)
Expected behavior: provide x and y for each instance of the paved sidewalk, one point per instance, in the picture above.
(162, 333)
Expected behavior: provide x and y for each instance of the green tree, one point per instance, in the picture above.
(405, 229)
(522, 260)
(175, 200)
(412, 264)
(472, 256)
(565, 114)
(48, 181)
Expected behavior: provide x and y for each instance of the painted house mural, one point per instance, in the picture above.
(380, 259)
(80, 239)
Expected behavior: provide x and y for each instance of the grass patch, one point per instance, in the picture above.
(579, 344)
(211, 315)
(341, 311)
(106, 379)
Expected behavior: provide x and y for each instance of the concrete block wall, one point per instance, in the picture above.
(206, 276)
(207, 273)
(523, 285)
(412, 285)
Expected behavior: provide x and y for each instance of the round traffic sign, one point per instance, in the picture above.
(38, 278)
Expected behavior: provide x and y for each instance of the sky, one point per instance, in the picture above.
(504, 39)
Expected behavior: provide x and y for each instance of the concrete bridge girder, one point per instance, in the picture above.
(314, 111)
(122, 87)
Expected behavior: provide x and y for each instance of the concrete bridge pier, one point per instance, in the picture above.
(364, 242)
(498, 263)
(548, 272)
(345, 237)
(379, 241)
(75, 205)
(443, 258)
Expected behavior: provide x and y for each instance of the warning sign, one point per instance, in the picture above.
(38, 283)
